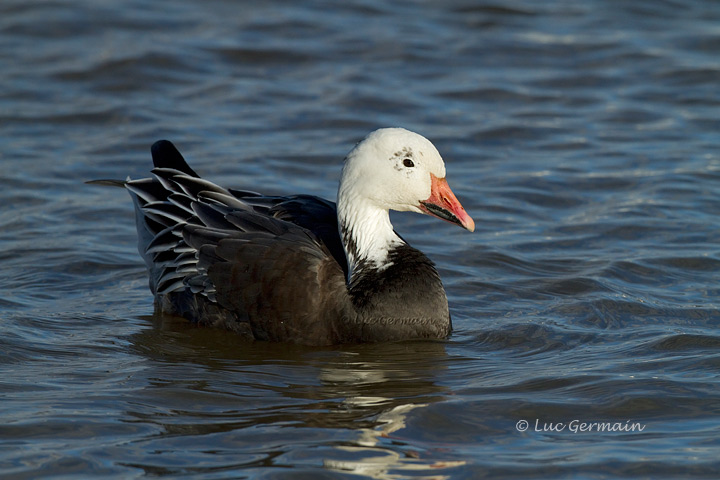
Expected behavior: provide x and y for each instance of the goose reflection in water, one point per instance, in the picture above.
(205, 383)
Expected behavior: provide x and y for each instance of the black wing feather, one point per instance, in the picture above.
(225, 256)
(165, 155)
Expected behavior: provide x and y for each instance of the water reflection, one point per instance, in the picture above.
(370, 457)
(209, 383)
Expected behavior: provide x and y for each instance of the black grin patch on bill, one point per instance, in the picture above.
(442, 213)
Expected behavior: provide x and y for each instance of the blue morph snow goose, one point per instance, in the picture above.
(300, 268)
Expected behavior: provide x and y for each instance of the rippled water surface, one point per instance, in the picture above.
(583, 137)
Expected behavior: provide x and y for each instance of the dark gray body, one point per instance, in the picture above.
(273, 268)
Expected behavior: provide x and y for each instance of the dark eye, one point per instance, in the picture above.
(408, 163)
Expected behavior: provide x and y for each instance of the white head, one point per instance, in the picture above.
(396, 169)
(391, 169)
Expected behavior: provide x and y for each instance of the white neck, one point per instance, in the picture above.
(366, 232)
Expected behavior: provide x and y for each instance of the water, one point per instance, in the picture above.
(581, 136)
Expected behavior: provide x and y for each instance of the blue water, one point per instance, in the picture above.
(583, 137)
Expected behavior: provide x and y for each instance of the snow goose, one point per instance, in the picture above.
(300, 268)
